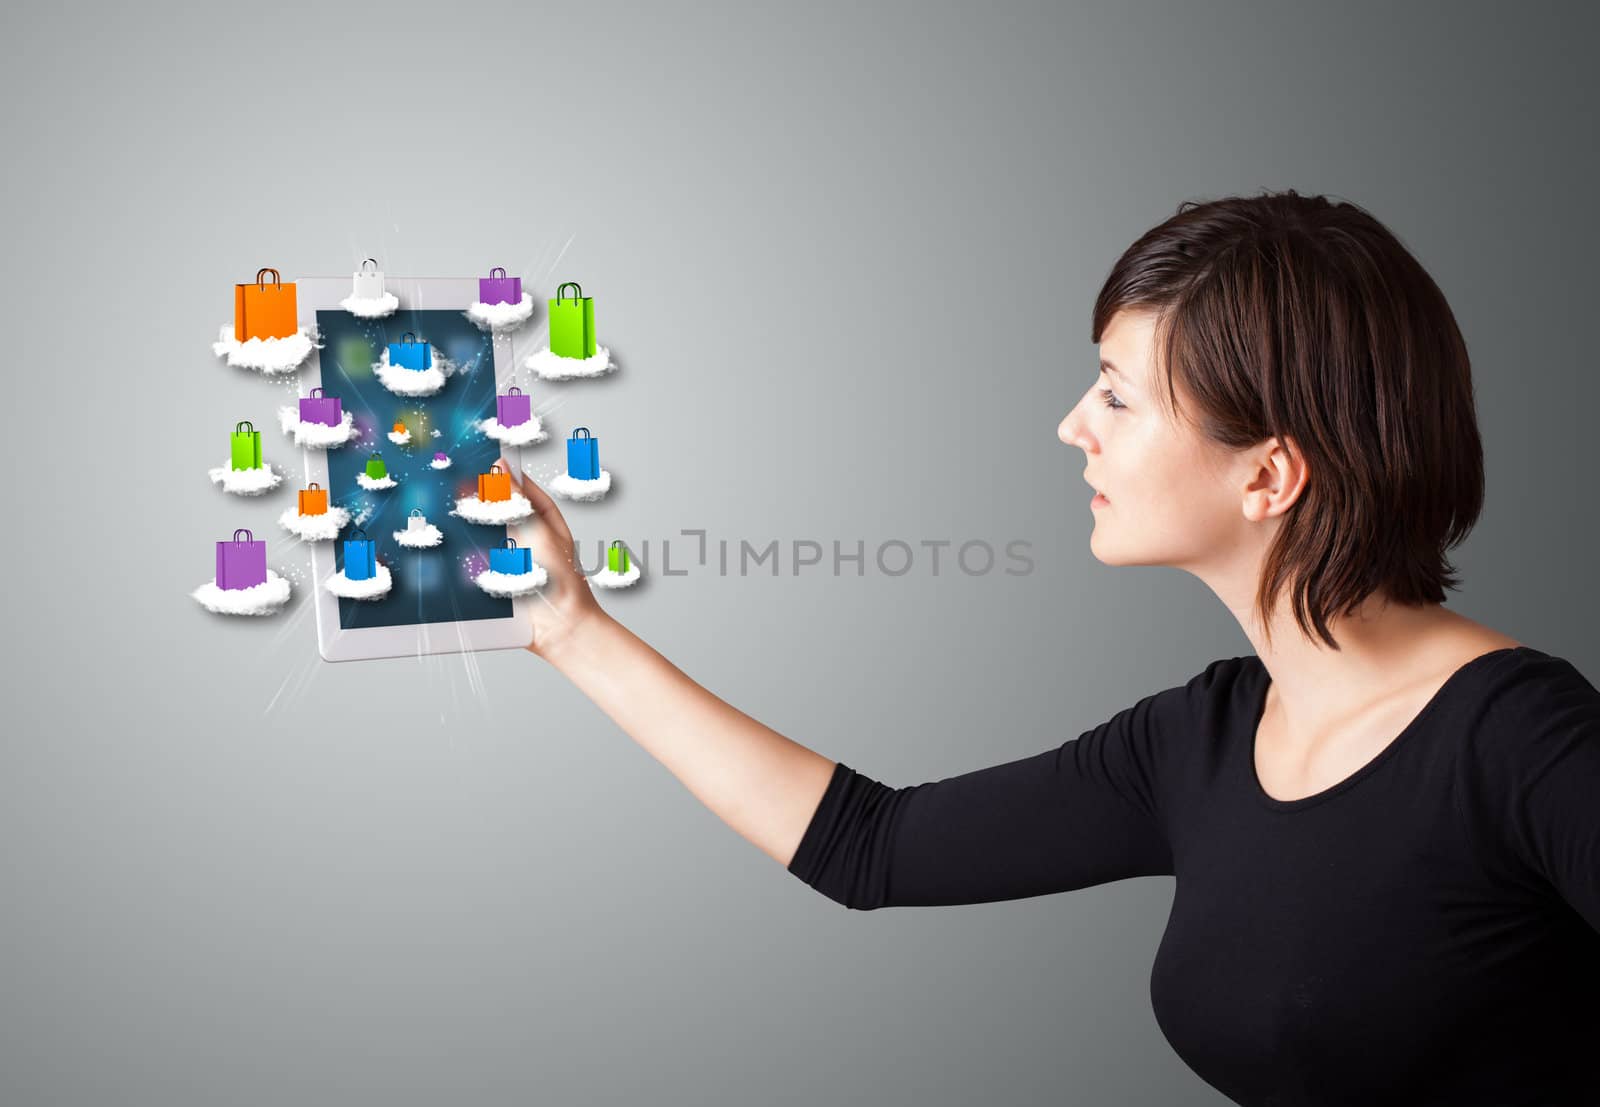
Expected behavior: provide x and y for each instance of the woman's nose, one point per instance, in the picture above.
(1074, 431)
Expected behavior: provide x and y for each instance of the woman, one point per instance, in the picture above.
(1385, 824)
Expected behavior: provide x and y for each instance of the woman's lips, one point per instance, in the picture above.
(1099, 501)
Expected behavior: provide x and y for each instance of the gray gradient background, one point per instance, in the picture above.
(847, 251)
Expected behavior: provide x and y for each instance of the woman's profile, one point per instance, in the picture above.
(1384, 824)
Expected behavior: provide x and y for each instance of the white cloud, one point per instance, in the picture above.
(413, 382)
(605, 578)
(495, 512)
(437, 464)
(314, 528)
(374, 589)
(420, 539)
(512, 584)
(523, 434)
(316, 436)
(500, 317)
(245, 482)
(272, 356)
(372, 485)
(367, 308)
(262, 599)
(554, 367)
(400, 438)
(572, 488)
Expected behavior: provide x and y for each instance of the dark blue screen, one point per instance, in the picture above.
(433, 585)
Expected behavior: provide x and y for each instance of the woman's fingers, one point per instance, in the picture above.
(555, 549)
(540, 499)
(547, 527)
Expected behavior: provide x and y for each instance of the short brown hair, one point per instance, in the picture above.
(1301, 317)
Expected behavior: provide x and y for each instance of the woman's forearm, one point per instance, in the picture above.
(762, 784)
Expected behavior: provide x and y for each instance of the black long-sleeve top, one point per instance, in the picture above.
(1426, 931)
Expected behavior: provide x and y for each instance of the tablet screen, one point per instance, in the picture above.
(430, 585)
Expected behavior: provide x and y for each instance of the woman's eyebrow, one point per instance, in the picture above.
(1104, 364)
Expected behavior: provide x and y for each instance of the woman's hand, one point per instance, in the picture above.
(567, 600)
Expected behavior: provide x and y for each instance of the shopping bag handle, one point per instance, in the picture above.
(408, 337)
(513, 389)
(248, 537)
(374, 262)
(276, 280)
(585, 431)
(495, 468)
(355, 531)
(417, 511)
(509, 544)
(316, 393)
(245, 423)
(312, 485)
(377, 455)
(498, 272)
(617, 544)
(578, 295)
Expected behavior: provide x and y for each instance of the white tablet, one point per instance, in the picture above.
(433, 605)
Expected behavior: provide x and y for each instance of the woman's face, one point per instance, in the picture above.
(1174, 499)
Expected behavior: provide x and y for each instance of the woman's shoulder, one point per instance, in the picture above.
(1502, 694)
(1530, 681)
(1212, 702)
(1502, 669)
(1520, 711)
(1530, 768)
(1499, 688)
(1524, 678)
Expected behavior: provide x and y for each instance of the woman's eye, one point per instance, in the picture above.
(1110, 399)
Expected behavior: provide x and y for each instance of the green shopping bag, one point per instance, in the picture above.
(246, 446)
(376, 468)
(572, 323)
(617, 557)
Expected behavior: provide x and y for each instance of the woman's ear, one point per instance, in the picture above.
(1275, 479)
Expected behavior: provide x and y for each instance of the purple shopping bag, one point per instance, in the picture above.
(499, 289)
(317, 408)
(513, 408)
(241, 564)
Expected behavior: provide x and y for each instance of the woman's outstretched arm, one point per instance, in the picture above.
(760, 783)
(1084, 813)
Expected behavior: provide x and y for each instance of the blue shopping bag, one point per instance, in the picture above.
(583, 455)
(408, 353)
(360, 557)
(511, 558)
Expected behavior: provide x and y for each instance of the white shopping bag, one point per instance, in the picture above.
(369, 282)
(417, 520)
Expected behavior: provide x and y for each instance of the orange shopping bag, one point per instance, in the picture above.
(262, 310)
(313, 499)
(494, 485)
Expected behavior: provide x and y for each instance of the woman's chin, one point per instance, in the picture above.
(1103, 550)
